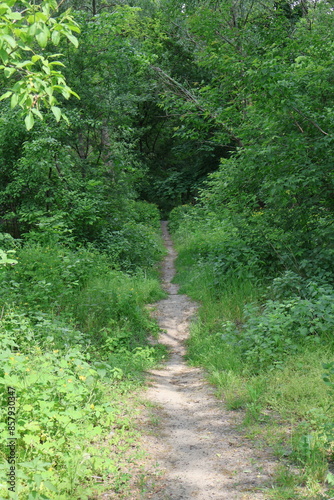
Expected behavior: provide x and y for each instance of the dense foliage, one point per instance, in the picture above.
(223, 110)
(73, 342)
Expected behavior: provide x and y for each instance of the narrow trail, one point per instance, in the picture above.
(200, 452)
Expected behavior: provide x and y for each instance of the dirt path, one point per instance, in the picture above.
(199, 450)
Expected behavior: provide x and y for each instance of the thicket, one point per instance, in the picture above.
(257, 248)
(73, 337)
(78, 250)
(264, 334)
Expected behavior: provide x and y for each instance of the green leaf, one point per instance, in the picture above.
(72, 39)
(8, 72)
(50, 486)
(6, 95)
(37, 113)
(57, 112)
(29, 121)
(10, 40)
(4, 9)
(65, 118)
(74, 27)
(42, 37)
(55, 37)
(14, 100)
(27, 407)
(32, 29)
(14, 15)
(330, 478)
(65, 92)
(36, 58)
(3, 56)
(74, 93)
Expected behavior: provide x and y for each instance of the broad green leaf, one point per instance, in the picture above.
(56, 63)
(74, 93)
(55, 37)
(3, 9)
(32, 29)
(72, 39)
(37, 113)
(8, 72)
(74, 27)
(36, 58)
(4, 56)
(57, 112)
(14, 15)
(10, 40)
(40, 16)
(31, 439)
(50, 486)
(6, 95)
(42, 38)
(48, 91)
(14, 100)
(27, 407)
(65, 92)
(24, 64)
(29, 121)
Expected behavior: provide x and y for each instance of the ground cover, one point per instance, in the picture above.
(73, 348)
(266, 343)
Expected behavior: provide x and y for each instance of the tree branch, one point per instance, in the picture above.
(185, 94)
(309, 120)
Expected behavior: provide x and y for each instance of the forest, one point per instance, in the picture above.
(215, 115)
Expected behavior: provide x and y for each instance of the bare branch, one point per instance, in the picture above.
(188, 96)
(309, 120)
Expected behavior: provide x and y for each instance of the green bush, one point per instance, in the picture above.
(279, 329)
(46, 276)
(73, 344)
(145, 213)
(61, 405)
(115, 302)
(133, 246)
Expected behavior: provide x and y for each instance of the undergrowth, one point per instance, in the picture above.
(73, 349)
(265, 336)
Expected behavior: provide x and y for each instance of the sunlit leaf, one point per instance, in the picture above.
(37, 113)
(29, 121)
(10, 40)
(42, 38)
(14, 100)
(72, 39)
(57, 112)
(55, 37)
(5, 95)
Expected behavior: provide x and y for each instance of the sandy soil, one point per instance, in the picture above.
(196, 442)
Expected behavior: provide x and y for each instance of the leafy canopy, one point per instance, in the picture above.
(33, 74)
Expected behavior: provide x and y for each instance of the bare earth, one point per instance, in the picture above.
(200, 451)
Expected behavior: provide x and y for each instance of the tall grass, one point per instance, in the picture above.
(265, 355)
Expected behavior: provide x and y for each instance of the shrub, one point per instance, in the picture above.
(133, 246)
(61, 405)
(279, 329)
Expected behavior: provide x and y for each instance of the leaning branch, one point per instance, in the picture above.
(188, 96)
(309, 120)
